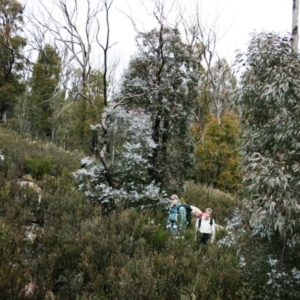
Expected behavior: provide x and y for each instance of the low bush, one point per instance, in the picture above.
(38, 167)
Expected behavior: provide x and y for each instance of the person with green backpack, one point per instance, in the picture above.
(178, 218)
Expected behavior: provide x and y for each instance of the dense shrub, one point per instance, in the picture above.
(129, 255)
(65, 248)
(38, 167)
(80, 253)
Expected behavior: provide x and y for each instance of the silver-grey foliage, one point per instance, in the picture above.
(131, 144)
(270, 99)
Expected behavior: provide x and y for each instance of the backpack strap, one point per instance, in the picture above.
(210, 221)
(199, 222)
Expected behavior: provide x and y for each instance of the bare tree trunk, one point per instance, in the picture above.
(105, 47)
(295, 31)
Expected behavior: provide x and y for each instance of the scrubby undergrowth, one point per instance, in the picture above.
(64, 248)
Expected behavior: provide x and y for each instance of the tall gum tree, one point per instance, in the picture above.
(44, 84)
(269, 97)
(80, 30)
(164, 71)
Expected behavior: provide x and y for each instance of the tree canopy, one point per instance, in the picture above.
(162, 79)
(269, 97)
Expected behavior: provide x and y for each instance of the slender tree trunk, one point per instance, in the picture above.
(295, 31)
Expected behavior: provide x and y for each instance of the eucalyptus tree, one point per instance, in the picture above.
(165, 72)
(217, 86)
(221, 86)
(144, 144)
(268, 234)
(269, 96)
(44, 85)
(217, 80)
(11, 58)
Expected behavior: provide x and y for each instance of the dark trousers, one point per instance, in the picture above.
(204, 237)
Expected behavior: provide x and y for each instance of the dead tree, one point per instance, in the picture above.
(75, 27)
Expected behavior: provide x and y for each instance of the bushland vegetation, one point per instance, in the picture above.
(86, 167)
(65, 248)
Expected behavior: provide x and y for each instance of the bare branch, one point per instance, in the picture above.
(74, 34)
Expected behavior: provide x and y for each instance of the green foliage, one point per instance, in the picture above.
(73, 130)
(40, 157)
(38, 167)
(158, 239)
(12, 263)
(269, 96)
(83, 116)
(162, 80)
(269, 266)
(217, 153)
(44, 85)
(78, 253)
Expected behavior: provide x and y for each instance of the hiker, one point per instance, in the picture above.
(205, 225)
(177, 216)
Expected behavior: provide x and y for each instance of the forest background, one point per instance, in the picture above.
(89, 157)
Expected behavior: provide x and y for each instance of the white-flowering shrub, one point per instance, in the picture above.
(234, 229)
(131, 144)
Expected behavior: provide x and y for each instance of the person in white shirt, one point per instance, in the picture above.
(206, 226)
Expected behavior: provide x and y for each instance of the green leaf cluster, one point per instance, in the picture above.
(217, 153)
(269, 96)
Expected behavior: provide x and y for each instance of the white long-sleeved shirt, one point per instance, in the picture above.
(206, 227)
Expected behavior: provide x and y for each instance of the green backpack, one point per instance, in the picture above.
(188, 213)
